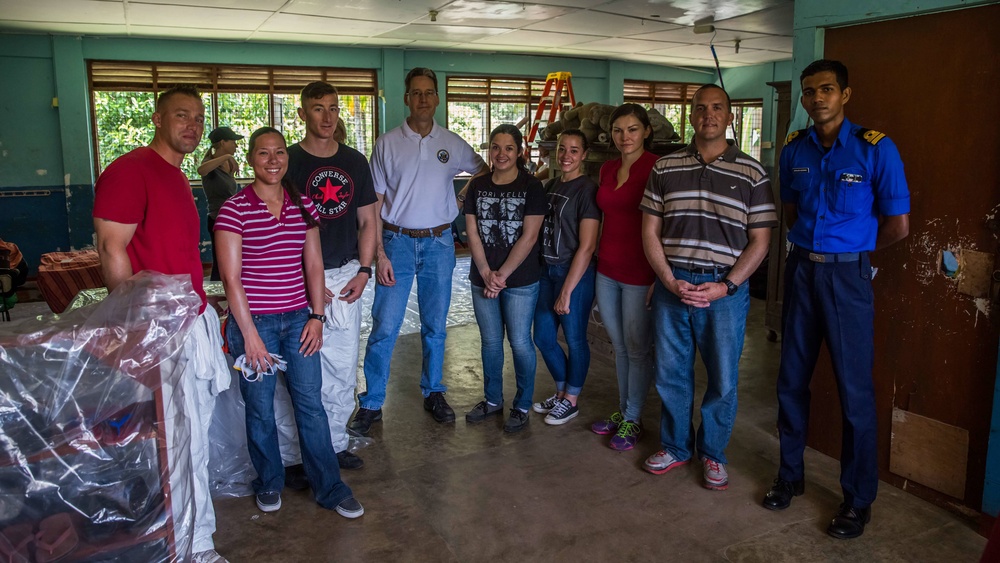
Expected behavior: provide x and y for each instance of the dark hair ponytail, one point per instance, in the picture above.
(508, 129)
(286, 184)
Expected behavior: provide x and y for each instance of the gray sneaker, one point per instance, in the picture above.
(481, 411)
(516, 422)
(350, 508)
(716, 476)
(269, 501)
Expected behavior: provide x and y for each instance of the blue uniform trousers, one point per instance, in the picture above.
(830, 301)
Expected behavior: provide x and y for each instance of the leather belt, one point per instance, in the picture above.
(712, 270)
(826, 258)
(416, 233)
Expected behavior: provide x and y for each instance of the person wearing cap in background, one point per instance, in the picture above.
(218, 172)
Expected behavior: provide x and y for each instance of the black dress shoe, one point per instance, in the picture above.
(295, 478)
(781, 493)
(849, 522)
(439, 408)
(347, 460)
(363, 420)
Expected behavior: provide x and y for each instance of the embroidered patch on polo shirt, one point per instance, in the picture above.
(443, 156)
(851, 178)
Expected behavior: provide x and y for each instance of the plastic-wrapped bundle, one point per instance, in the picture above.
(93, 438)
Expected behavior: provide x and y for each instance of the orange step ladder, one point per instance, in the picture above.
(553, 100)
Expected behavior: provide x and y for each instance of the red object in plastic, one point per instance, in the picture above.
(61, 275)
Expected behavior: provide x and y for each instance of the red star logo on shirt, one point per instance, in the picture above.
(330, 191)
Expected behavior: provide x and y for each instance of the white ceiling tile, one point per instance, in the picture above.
(571, 3)
(269, 5)
(536, 39)
(379, 41)
(605, 24)
(448, 33)
(195, 18)
(423, 44)
(505, 14)
(687, 12)
(82, 11)
(687, 35)
(755, 56)
(686, 51)
(372, 10)
(774, 21)
(183, 32)
(620, 45)
(325, 25)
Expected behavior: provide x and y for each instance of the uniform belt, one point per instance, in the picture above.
(416, 233)
(712, 270)
(825, 258)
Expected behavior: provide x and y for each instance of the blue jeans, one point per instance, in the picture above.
(568, 373)
(512, 310)
(630, 327)
(717, 332)
(431, 261)
(280, 333)
(831, 302)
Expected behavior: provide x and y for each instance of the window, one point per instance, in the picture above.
(747, 118)
(672, 99)
(242, 97)
(478, 104)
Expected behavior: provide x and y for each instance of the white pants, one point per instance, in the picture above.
(190, 385)
(339, 358)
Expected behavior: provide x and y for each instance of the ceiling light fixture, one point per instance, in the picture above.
(433, 14)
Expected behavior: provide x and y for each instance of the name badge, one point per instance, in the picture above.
(800, 170)
(851, 178)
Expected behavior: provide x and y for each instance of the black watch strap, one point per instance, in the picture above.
(365, 270)
(320, 318)
(731, 288)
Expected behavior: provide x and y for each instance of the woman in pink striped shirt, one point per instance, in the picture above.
(265, 234)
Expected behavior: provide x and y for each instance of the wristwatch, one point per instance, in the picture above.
(731, 288)
(365, 270)
(320, 318)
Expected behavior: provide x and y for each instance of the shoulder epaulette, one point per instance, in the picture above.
(795, 135)
(871, 135)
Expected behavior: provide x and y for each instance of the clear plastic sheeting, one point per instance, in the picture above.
(90, 451)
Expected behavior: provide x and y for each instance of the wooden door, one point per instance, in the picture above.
(930, 83)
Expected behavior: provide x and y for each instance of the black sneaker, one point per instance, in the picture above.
(561, 413)
(363, 420)
(295, 478)
(350, 508)
(269, 502)
(347, 460)
(516, 422)
(481, 411)
(439, 408)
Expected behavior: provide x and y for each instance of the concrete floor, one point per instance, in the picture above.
(461, 492)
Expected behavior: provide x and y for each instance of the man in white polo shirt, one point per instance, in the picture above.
(413, 167)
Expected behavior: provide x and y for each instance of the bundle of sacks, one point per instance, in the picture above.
(594, 120)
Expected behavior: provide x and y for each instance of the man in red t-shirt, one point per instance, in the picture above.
(145, 218)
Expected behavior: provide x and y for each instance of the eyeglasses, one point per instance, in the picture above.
(422, 93)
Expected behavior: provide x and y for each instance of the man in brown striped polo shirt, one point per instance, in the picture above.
(707, 225)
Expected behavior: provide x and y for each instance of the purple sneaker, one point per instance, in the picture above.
(626, 437)
(607, 426)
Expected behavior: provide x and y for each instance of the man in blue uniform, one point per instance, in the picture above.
(844, 194)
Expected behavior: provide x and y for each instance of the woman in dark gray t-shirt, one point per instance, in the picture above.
(566, 286)
(218, 171)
